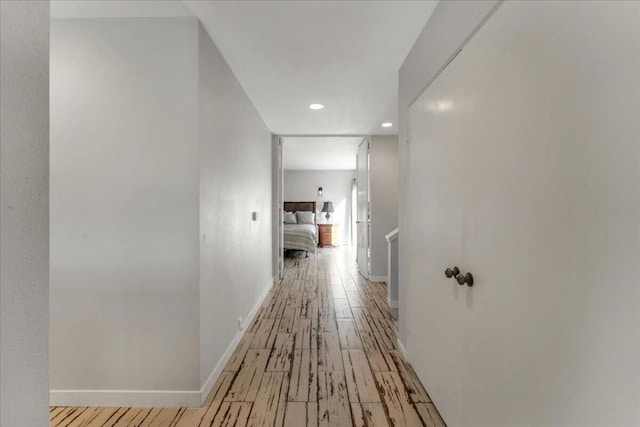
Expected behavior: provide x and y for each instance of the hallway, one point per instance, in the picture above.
(321, 351)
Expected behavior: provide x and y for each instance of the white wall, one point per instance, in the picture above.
(124, 204)
(383, 176)
(119, 9)
(523, 169)
(24, 220)
(450, 25)
(336, 185)
(235, 173)
(158, 160)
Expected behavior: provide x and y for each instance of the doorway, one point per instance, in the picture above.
(320, 170)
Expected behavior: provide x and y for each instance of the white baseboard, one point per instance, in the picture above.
(217, 370)
(393, 304)
(128, 398)
(403, 350)
(379, 279)
(157, 398)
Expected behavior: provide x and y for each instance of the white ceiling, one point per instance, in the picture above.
(344, 54)
(320, 153)
(288, 54)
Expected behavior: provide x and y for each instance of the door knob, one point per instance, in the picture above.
(451, 272)
(465, 278)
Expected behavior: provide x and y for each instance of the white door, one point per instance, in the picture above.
(363, 219)
(524, 171)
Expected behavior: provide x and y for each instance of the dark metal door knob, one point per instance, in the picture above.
(451, 272)
(465, 278)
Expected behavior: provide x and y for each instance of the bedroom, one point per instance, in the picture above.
(321, 172)
(325, 205)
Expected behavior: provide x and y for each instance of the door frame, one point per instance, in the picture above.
(280, 214)
(367, 229)
(278, 189)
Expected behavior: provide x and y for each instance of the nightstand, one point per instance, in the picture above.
(328, 234)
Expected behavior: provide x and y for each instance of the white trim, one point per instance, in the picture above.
(157, 398)
(128, 398)
(366, 276)
(392, 236)
(217, 370)
(379, 279)
(393, 304)
(403, 350)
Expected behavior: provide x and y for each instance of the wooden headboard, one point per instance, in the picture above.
(300, 206)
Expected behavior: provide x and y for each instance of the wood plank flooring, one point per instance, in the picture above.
(321, 351)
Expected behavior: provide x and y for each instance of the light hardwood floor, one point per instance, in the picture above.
(321, 351)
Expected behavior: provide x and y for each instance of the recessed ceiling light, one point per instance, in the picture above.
(387, 124)
(316, 106)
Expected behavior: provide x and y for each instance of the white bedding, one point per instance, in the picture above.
(312, 228)
(302, 237)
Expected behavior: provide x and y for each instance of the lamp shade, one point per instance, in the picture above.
(327, 207)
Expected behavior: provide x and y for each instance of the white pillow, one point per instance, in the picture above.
(290, 218)
(305, 217)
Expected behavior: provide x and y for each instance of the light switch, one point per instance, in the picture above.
(254, 216)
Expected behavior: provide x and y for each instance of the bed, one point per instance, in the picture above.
(301, 237)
